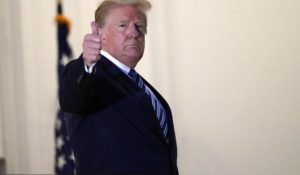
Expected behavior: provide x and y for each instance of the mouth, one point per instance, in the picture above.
(135, 46)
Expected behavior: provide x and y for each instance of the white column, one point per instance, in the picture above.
(12, 91)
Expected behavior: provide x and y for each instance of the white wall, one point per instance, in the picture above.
(1, 130)
(229, 69)
(28, 83)
(236, 81)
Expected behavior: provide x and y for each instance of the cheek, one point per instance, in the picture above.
(142, 41)
(118, 37)
(112, 41)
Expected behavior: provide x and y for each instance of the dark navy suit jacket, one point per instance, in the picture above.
(112, 125)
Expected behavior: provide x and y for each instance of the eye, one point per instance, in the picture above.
(140, 28)
(122, 26)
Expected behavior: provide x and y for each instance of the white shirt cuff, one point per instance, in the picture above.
(89, 69)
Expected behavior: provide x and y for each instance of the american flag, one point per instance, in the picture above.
(64, 158)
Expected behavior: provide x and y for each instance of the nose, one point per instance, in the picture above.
(134, 31)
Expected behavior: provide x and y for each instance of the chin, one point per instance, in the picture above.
(134, 54)
(134, 59)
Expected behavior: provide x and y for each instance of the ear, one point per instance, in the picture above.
(102, 34)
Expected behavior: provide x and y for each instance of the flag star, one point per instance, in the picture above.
(58, 124)
(64, 60)
(72, 157)
(61, 162)
(59, 142)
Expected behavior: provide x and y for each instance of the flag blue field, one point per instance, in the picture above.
(64, 158)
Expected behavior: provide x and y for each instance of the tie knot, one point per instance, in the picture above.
(133, 74)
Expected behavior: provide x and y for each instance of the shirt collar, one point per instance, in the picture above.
(116, 62)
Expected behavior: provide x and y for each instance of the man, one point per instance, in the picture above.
(118, 123)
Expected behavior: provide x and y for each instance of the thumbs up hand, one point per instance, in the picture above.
(92, 45)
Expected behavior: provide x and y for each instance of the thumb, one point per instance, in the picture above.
(95, 27)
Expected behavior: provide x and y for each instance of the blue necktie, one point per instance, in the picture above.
(158, 108)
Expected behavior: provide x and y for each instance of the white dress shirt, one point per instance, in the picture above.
(116, 62)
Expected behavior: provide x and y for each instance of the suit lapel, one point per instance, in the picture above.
(130, 88)
(172, 138)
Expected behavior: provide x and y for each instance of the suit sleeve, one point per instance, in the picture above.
(76, 91)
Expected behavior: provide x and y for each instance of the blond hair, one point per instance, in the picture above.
(104, 8)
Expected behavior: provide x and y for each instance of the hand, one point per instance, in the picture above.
(92, 45)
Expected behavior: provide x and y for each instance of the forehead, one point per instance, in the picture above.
(126, 12)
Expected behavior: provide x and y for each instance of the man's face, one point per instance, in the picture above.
(123, 35)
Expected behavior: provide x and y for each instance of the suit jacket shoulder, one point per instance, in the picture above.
(84, 93)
